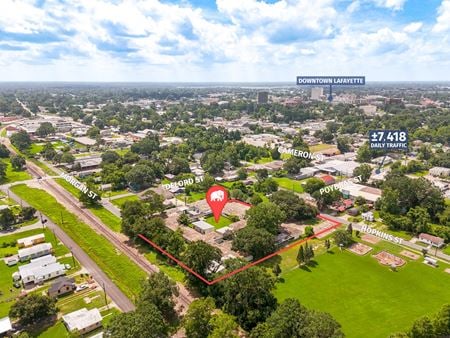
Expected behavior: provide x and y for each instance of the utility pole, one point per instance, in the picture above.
(62, 218)
(104, 293)
(73, 258)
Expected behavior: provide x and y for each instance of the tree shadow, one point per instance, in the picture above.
(305, 268)
(330, 252)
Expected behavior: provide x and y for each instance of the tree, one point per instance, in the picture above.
(223, 325)
(265, 215)
(309, 231)
(262, 174)
(254, 241)
(350, 229)
(293, 320)
(255, 199)
(48, 152)
(159, 290)
(17, 162)
(420, 219)
(141, 176)
(364, 154)
(7, 218)
(253, 288)
(67, 158)
(326, 198)
(154, 201)
(145, 321)
(146, 146)
(442, 321)
(33, 308)
(275, 153)
(199, 256)
(422, 328)
(364, 170)
(197, 318)
(45, 129)
(342, 238)
(90, 196)
(3, 168)
(293, 206)
(110, 157)
(4, 152)
(178, 165)
(343, 144)
(313, 184)
(276, 270)
(301, 255)
(183, 219)
(93, 132)
(21, 140)
(242, 174)
(27, 213)
(327, 244)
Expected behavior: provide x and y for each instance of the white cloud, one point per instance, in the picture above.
(443, 18)
(413, 27)
(391, 4)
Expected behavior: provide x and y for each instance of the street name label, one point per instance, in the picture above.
(367, 229)
(388, 139)
(332, 80)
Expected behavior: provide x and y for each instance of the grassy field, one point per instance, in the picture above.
(289, 184)
(76, 301)
(193, 197)
(173, 271)
(446, 250)
(125, 274)
(356, 290)
(223, 222)
(44, 167)
(13, 175)
(320, 147)
(107, 218)
(120, 201)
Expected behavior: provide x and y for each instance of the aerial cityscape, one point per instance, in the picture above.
(222, 169)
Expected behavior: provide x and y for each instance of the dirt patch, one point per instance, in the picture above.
(359, 248)
(389, 259)
(409, 254)
(370, 238)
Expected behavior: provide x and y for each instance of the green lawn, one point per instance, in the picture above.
(114, 193)
(289, 184)
(357, 290)
(420, 173)
(107, 218)
(125, 273)
(446, 250)
(13, 175)
(193, 197)
(120, 201)
(320, 147)
(223, 222)
(76, 301)
(173, 271)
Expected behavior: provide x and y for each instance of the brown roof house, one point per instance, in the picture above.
(61, 287)
(431, 240)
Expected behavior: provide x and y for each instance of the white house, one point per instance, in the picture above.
(35, 251)
(439, 171)
(41, 269)
(83, 320)
(367, 216)
(203, 227)
(5, 325)
(431, 240)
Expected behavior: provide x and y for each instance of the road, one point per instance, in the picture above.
(36, 225)
(120, 241)
(111, 289)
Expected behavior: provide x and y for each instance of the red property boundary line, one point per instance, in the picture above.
(245, 267)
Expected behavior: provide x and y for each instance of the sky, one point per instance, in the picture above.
(223, 40)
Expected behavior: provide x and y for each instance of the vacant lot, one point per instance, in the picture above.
(13, 175)
(289, 184)
(357, 290)
(223, 222)
(117, 266)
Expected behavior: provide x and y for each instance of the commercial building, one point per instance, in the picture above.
(203, 227)
(440, 171)
(35, 251)
(338, 167)
(262, 97)
(83, 321)
(355, 190)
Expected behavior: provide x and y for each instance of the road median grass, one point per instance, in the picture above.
(123, 272)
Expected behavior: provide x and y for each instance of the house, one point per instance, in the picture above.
(12, 260)
(30, 241)
(439, 171)
(368, 216)
(41, 269)
(338, 167)
(203, 227)
(328, 179)
(5, 326)
(353, 211)
(431, 240)
(35, 251)
(306, 172)
(88, 162)
(83, 321)
(62, 286)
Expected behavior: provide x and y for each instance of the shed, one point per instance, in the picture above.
(203, 227)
